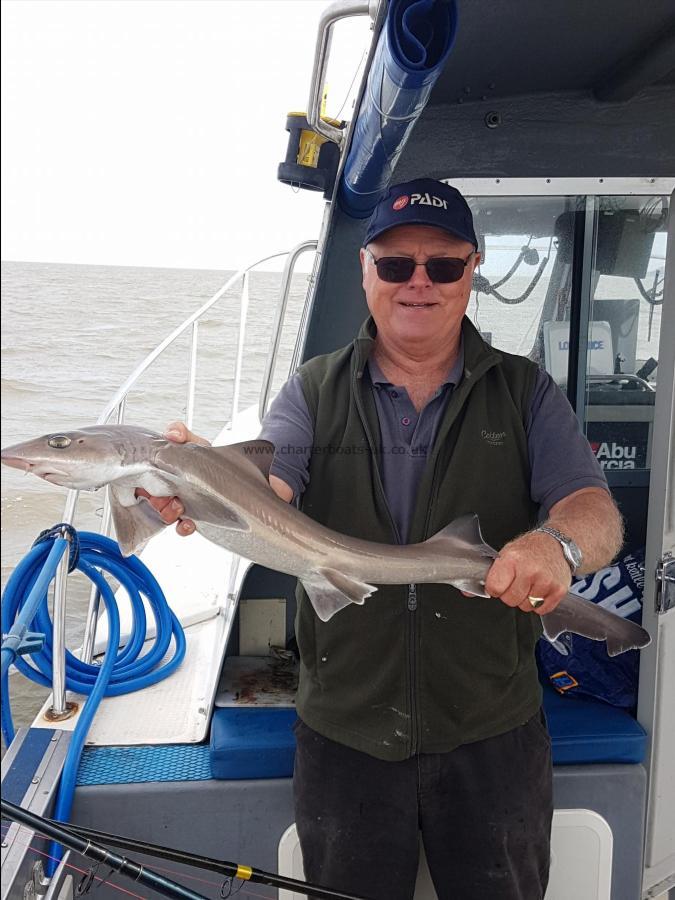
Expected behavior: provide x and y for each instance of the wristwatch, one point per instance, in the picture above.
(573, 554)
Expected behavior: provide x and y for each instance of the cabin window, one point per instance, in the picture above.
(576, 284)
(524, 281)
(620, 365)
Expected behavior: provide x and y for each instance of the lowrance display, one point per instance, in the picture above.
(556, 349)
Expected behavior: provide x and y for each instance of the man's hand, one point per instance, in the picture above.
(534, 565)
(171, 509)
(530, 566)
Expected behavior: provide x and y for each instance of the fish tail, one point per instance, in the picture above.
(581, 616)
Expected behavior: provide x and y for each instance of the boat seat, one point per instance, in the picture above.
(258, 742)
(252, 742)
(589, 731)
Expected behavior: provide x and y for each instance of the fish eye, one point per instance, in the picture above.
(59, 441)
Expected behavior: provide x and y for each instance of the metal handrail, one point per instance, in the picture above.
(192, 378)
(241, 338)
(306, 315)
(117, 405)
(59, 629)
(342, 9)
(160, 348)
(270, 365)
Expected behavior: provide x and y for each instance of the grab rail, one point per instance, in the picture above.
(59, 619)
(280, 314)
(160, 348)
(116, 406)
(342, 9)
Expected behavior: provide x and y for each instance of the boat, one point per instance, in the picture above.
(555, 121)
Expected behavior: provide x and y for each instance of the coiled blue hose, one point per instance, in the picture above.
(122, 670)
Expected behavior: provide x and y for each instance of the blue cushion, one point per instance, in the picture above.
(252, 742)
(255, 742)
(588, 731)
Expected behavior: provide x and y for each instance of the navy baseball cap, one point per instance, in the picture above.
(423, 201)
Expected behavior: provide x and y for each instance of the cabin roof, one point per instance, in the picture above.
(609, 48)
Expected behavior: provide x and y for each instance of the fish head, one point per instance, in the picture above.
(84, 459)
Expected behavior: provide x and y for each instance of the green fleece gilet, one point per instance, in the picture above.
(419, 668)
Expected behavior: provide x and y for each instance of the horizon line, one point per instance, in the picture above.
(229, 271)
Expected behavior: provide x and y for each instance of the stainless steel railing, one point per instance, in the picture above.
(286, 280)
(116, 407)
(330, 16)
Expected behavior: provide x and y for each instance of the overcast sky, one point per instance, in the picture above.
(148, 132)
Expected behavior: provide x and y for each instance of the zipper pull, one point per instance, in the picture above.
(412, 597)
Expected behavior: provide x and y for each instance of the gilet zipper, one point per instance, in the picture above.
(412, 588)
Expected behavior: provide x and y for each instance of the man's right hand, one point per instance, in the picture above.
(171, 509)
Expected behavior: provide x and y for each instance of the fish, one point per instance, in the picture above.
(225, 490)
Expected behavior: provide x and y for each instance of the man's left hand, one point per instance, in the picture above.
(532, 566)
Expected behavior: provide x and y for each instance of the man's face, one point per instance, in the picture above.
(417, 312)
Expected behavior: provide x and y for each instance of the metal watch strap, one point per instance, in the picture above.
(566, 543)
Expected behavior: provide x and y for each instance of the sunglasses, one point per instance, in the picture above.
(440, 269)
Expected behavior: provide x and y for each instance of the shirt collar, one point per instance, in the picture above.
(453, 377)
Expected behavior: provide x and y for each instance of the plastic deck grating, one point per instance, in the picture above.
(136, 765)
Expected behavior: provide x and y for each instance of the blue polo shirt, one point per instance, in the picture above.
(561, 459)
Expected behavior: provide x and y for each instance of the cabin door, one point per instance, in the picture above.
(656, 710)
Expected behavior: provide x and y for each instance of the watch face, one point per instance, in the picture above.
(574, 554)
(570, 550)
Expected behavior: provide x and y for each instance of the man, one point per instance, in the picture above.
(419, 711)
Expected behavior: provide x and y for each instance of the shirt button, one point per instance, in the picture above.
(405, 421)
(394, 394)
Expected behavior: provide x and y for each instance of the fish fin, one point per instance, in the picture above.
(462, 535)
(135, 524)
(220, 516)
(330, 591)
(593, 621)
(259, 453)
(470, 585)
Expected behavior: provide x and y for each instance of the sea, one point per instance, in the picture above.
(71, 335)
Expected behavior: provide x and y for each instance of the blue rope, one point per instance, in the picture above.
(123, 670)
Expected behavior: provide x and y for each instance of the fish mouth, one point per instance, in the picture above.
(15, 462)
(48, 474)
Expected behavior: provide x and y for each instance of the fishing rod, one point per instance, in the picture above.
(85, 837)
(57, 832)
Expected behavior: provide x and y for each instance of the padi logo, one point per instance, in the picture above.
(419, 199)
(612, 455)
(494, 438)
(428, 200)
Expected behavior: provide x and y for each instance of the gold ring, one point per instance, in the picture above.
(536, 601)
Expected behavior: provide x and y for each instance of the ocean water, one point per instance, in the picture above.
(71, 335)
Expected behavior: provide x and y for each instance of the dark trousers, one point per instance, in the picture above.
(484, 811)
